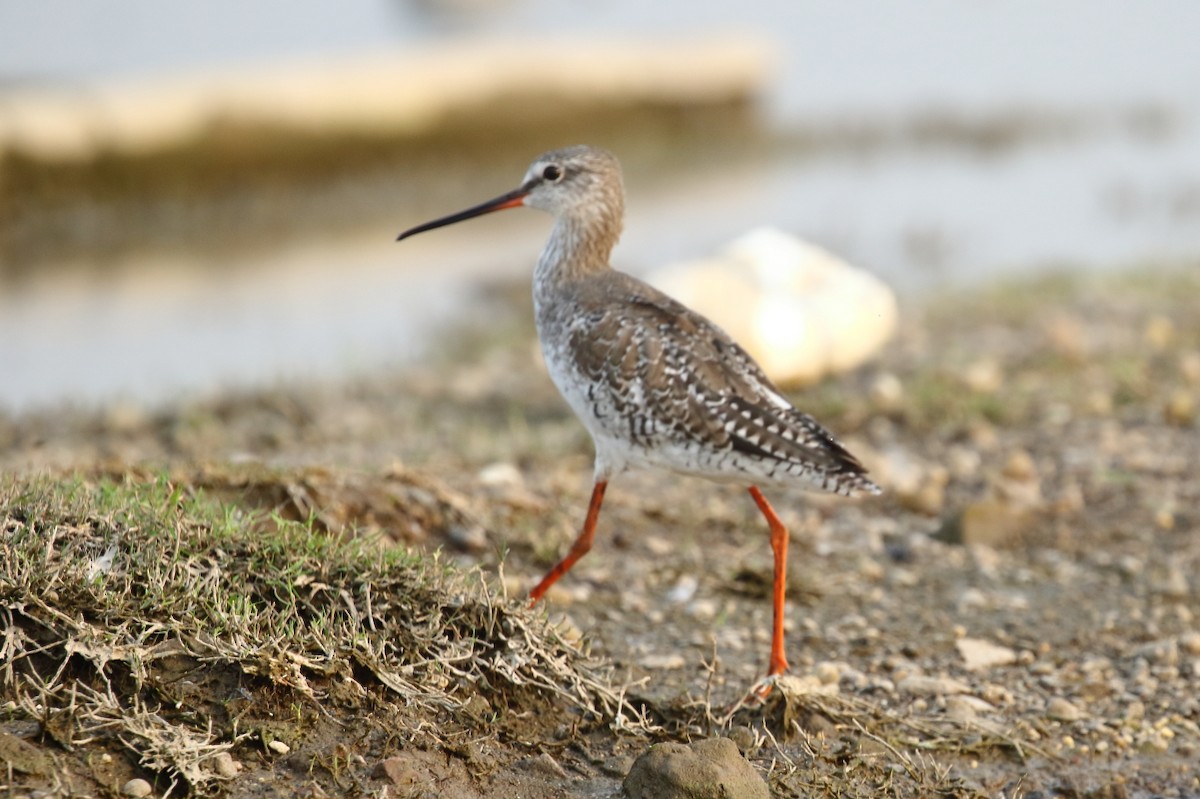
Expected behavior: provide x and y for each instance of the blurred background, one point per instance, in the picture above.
(202, 195)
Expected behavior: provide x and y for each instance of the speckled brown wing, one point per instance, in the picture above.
(677, 380)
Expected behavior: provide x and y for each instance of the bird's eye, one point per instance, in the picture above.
(552, 173)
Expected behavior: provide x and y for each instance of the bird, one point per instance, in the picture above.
(656, 384)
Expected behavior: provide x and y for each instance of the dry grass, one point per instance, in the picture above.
(111, 591)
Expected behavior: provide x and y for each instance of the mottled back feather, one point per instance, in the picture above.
(667, 379)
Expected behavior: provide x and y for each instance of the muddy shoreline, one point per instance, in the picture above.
(1018, 613)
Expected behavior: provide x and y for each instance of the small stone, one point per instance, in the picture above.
(546, 765)
(658, 545)
(501, 475)
(703, 609)
(469, 537)
(1180, 409)
(1190, 643)
(791, 685)
(567, 629)
(987, 523)
(683, 590)
(1060, 709)
(709, 769)
(1164, 519)
(1020, 466)
(963, 462)
(1099, 402)
(1159, 332)
(828, 673)
(1162, 653)
(1175, 584)
(929, 497)
(979, 654)
(279, 747)
(225, 766)
(997, 695)
(960, 710)
(886, 391)
(983, 377)
(745, 738)
(921, 685)
(669, 662)
(1066, 336)
(136, 787)
(400, 771)
(1189, 367)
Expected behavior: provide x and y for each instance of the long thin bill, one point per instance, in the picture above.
(513, 199)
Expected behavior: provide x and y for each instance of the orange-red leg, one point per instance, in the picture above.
(580, 548)
(779, 544)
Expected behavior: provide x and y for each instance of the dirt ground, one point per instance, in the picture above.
(1016, 616)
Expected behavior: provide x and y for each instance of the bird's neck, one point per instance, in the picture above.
(579, 246)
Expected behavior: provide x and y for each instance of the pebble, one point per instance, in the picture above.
(963, 462)
(1020, 466)
(979, 654)
(958, 709)
(983, 376)
(791, 685)
(567, 629)
(828, 673)
(1190, 643)
(922, 685)
(1180, 409)
(1066, 336)
(400, 771)
(988, 522)
(546, 765)
(703, 609)
(886, 392)
(1060, 709)
(1159, 332)
(658, 546)
(745, 738)
(470, 537)
(1189, 367)
(279, 747)
(136, 787)
(225, 766)
(501, 475)
(1164, 519)
(662, 662)
(712, 768)
(929, 497)
(996, 695)
(1175, 584)
(683, 590)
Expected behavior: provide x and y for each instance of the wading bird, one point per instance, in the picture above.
(656, 384)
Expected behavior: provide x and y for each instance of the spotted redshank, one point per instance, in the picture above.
(655, 383)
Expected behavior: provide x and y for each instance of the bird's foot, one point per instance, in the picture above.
(755, 697)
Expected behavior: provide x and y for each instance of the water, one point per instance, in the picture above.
(1109, 194)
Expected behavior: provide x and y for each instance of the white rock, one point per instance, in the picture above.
(791, 685)
(979, 654)
(1061, 709)
(662, 662)
(800, 311)
(136, 787)
(501, 475)
(921, 685)
(683, 590)
(225, 765)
